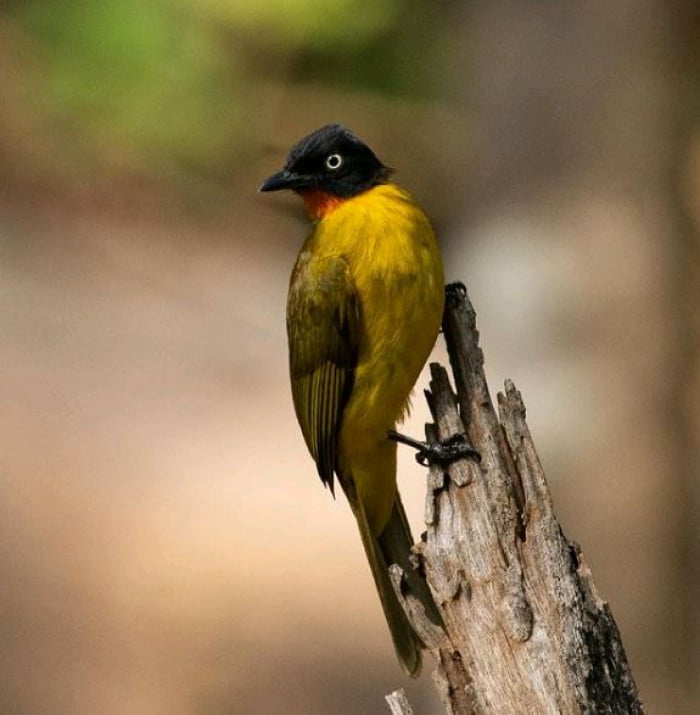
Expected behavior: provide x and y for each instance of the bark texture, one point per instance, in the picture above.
(398, 703)
(525, 629)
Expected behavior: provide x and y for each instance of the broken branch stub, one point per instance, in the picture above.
(525, 630)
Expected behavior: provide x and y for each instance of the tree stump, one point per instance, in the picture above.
(525, 630)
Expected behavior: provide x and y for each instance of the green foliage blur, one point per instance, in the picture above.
(168, 87)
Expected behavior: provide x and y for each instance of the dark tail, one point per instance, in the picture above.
(393, 546)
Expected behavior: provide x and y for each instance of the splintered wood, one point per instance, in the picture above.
(525, 630)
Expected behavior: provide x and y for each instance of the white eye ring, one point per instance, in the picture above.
(334, 161)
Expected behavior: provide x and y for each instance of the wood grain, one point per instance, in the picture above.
(525, 629)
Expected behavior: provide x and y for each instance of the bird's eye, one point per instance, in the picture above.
(334, 161)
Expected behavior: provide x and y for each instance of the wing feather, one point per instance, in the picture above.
(323, 328)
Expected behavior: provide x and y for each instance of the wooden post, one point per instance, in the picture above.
(525, 629)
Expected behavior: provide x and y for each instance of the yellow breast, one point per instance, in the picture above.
(394, 260)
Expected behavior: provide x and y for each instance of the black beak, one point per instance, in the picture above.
(285, 179)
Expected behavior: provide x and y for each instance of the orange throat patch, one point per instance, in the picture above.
(319, 203)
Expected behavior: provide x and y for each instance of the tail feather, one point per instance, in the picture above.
(395, 542)
(393, 547)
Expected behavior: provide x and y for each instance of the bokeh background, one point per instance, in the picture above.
(165, 545)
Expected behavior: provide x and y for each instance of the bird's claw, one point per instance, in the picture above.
(441, 453)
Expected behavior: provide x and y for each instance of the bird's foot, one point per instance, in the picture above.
(442, 453)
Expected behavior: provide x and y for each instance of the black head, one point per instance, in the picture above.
(331, 159)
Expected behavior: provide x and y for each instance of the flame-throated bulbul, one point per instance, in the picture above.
(365, 303)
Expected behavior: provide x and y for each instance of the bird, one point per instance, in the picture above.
(364, 309)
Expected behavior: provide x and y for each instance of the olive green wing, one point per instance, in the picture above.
(323, 327)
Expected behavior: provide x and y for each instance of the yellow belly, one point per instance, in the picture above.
(394, 260)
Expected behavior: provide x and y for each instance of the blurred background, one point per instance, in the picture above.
(166, 546)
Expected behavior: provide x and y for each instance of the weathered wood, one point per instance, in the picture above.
(525, 630)
(398, 703)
